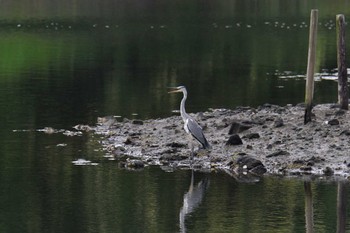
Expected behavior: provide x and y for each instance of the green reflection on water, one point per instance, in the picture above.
(62, 198)
(110, 72)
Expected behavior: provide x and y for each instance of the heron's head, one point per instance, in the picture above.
(177, 89)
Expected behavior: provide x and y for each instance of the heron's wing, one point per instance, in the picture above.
(197, 132)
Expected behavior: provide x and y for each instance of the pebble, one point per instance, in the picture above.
(278, 123)
(251, 136)
(333, 122)
(234, 140)
(135, 163)
(237, 127)
(137, 122)
(277, 153)
(328, 171)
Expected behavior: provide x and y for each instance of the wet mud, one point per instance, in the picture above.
(267, 140)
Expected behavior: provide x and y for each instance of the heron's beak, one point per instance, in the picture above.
(175, 90)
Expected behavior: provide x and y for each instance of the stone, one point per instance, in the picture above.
(278, 123)
(135, 163)
(298, 162)
(259, 170)
(306, 168)
(345, 132)
(333, 122)
(119, 151)
(237, 127)
(128, 141)
(328, 171)
(137, 122)
(251, 164)
(277, 153)
(340, 112)
(234, 140)
(251, 136)
(176, 145)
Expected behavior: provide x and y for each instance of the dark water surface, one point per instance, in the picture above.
(64, 63)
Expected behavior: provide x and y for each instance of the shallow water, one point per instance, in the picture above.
(63, 64)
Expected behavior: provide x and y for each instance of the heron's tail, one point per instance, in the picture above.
(206, 144)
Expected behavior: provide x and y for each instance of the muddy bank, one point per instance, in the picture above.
(269, 139)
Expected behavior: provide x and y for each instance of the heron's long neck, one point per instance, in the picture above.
(184, 115)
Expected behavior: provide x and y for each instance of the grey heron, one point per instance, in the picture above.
(190, 125)
(192, 199)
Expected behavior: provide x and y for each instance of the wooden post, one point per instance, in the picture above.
(343, 96)
(309, 90)
(309, 210)
(341, 207)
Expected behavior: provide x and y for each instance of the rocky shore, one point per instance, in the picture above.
(268, 139)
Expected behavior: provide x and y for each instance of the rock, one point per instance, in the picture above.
(48, 130)
(170, 151)
(119, 151)
(328, 171)
(314, 160)
(134, 134)
(251, 136)
(134, 163)
(333, 106)
(137, 122)
(176, 145)
(85, 128)
(251, 164)
(333, 122)
(310, 163)
(258, 121)
(266, 105)
(83, 162)
(340, 112)
(306, 168)
(128, 141)
(298, 162)
(221, 124)
(234, 140)
(237, 127)
(271, 118)
(259, 170)
(106, 121)
(345, 132)
(278, 153)
(278, 123)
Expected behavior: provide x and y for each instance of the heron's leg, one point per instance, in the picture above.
(191, 156)
(191, 144)
(192, 151)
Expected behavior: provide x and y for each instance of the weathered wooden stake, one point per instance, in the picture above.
(341, 207)
(309, 210)
(343, 96)
(309, 90)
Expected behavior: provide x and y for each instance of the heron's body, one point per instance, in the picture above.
(190, 125)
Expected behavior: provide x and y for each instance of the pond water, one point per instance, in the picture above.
(64, 63)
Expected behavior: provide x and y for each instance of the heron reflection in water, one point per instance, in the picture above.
(190, 125)
(192, 199)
